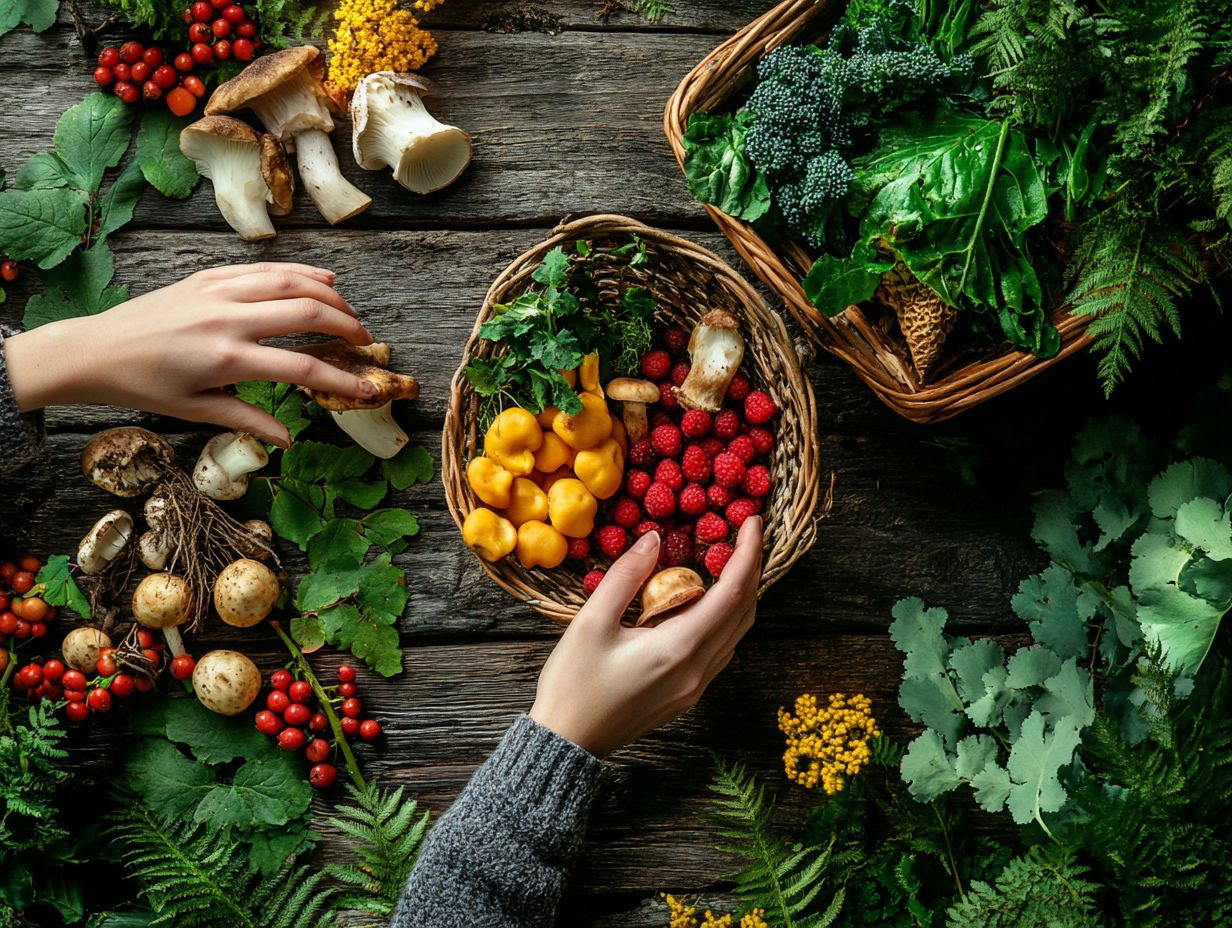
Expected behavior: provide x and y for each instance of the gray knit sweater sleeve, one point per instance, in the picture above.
(500, 856)
(24, 434)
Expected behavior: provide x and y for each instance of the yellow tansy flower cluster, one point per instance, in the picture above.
(376, 35)
(827, 745)
(685, 916)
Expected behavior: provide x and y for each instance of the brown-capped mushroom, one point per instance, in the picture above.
(104, 542)
(284, 90)
(635, 395)
(225, 463)
(231, 155)
(669, 590)
(278, 177)
(245, 593)
(126, 461)
(164, 602)
(715, 352)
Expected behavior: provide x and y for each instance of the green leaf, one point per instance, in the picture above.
(554, 271)
(1031, 667)
(317, 461)
(92, 137)
(340, 543)
(296, 512)
(118, 203)
(328, 585)
(987, 710)
(382, 589)
(39, 15)
(1183, 626)
(919, 633)
(42, 225)
(717, 169)
(55, 579)
(832, 284)
(363, 494)
(308, 632)
(1187, 480)
(1056, 533)
(1048, 602)
(1204, 524)
(158, 154)
(386, 526)
(43, 171)
(1035, 760)
(933, 702)
(166, 780)
(271, 850)
(78, 287)
(281, 400)
(212, 738)
(927, 769)
(1070, 692)
(267, 791)
(971, 661)
(368, 636)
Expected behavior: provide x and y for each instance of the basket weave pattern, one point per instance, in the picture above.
(961, 381)
(687, 282)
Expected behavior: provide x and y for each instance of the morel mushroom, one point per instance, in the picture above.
(394, 129)
(669, 590)
(164, 602)
(634, 395)
(104, 542)
(924, 318)
(245, 593)
(127, 461)
(226, 461)
(226, 682)
(284, 90)
(715, 352)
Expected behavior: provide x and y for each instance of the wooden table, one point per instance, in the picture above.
(565, 113)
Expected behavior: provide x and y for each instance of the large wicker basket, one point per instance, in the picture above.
(687, 281)
(962, 380)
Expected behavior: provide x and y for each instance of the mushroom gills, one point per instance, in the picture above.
(104, 542)
(239, 188)
(374, 430)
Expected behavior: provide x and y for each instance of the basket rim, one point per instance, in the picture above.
(848, 335)
(458, 434)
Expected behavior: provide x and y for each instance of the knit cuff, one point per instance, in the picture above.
(24, 434)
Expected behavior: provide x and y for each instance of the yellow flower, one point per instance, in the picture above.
(753, 919)
(681, 915)
(827, 745)
(376, 35)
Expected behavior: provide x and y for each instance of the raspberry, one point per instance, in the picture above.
(680, 372)
(711, 528)
(740, 509)
(637, 482)
(591, 582)
(675, 338)
(717, 557)
(642, 454)
(763, 440)
(728, 470)
(660, 501)
(739, 388)
(666, 440)
(677, 549)
(612, 540)
(579, 548)
(645, 528)
(660, 417)
(693, 500)
(667, 398)
(756, 480)
(759, 408)
(718, 496)
(695, 423)
(713, 446)
(656, 365)
(627, 512)
(742, 447)
(727, 424)
(668, 474)
(695, 464)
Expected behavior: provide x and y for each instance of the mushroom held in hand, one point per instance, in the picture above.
(284, 90)
(669, 590)
(369, 421)
(715, 352)
(248, 174)
(226, 461)
(394, 129)
(80, 647)
(126, 461)
(226, 682)
(245, 593)
(164, 602)
(104, 542)
(635, 395)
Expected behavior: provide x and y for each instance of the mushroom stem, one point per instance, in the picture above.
(374, 430)
(175, 641)
(333, 195)
(243, 207)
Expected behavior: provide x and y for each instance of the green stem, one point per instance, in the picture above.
(335, 725)
(949, 852)
(992, 184)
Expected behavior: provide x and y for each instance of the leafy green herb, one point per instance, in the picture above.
(718, 169)
(55, 585)
(39, 15)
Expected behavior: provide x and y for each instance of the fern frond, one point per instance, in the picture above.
(1045, 886)
(1217, 148)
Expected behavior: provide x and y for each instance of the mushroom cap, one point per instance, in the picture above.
(222, 127)
(103, 543)
(245, 593)
(80, 647)
(369, 363)
(126, 461)
(632, 390)
(668, 590)
(260, 77)
(162, 601)
(226, 682)
(277, 174)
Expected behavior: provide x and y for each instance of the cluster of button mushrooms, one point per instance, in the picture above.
(198, 554)
(391, 127)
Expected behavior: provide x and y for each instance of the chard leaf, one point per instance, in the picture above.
(717, 169)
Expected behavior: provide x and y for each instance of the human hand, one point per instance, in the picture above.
(172, 350)
(605, 685)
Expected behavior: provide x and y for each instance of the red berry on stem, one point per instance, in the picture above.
(183, 62)
(122, 686)
(103, 76)
(143, 683)
(246, 30)
(221, 28)
(233, 14)
(75, 695)
(352, 707)
(202, 53)
(164, 76)
(77, 711)
(317, 750)
(268, 723)
(200, 32)
(38, 629)
(300, 691)
(346, 673)
(277, 701)
(243, 49)
(370, 730)
(153, 57)
(194, 85)
(53, 670)
(23, 581)
(180, 101)
(350, 726)
(187, 15)
(99, 700)
(297, 714)
(319, 722)
(8, 622)
(128, 93)
(182, 667)
(131, 52)
(222, 49)
(122, 72)
(140, 72)
(220, 4)
(108, 58)
(322, 776)
(30, 676)
(106, 664)
(8, 570)
(73, 680)
(22, 631)
(281, 680)
(346, 690)
(291, 739)
(202, 11)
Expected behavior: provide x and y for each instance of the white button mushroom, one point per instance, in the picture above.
(394, 129)
(104, 542)
(226, 461)
(226, 682)
(634, 395)
(284, 90)
(80, 647)
(245, 593)
(715, 352)
(260, 544)
(126, 461)
(163, 602)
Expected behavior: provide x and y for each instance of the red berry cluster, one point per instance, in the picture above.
(219, 30)
(21, 616)
(696, 477)
(293, 716)
(134, 71)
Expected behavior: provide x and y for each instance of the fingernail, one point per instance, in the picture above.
(327, 272)
(367, 388)
(647, 543)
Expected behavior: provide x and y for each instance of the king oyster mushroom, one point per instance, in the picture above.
(249, 172)
(369, 421)
(284, 90)
(394, 129)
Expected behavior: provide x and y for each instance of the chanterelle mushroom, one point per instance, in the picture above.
(104, 542)
(231, 155)
(284, 90)
(126, 461)
(394, 129)
(226, 461)
(634, 394)
(715, 352)
(369, 421)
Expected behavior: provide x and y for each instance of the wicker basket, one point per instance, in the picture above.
(961, 381)
(687, 281)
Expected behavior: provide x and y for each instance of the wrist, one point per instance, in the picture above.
(569, 726)
(47, 367)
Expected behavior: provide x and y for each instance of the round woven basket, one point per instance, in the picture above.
(962, 380)
(687, 281)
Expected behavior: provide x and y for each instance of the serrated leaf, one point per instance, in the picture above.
(328, 585)
(1056, 533)
(92, 137)
(387, 526)
(974, 753)
(308, 633)
(927, 769)
(1186, 480)
(929, 700)
(165, 779)
(1031, 667)
(1070, 692)
(42, 225)
(117, 204)
(413, 464)
(1034, 762)
(918, 632)
(281, 400)
(970, 661)
(158, 154)
(338, 544)
(1157, 562)
(312, 461)
(382, 588)
(270, 850)
(987, 710)
(363, 494)
(1048, 602)
(268, 791)
(39, 15)
(992, 787)
(58, 588)
(42, 171)
(1211, 580)
(78, 287)
(295, 513)
(367, 636)
(212, 738)
(1204, 524)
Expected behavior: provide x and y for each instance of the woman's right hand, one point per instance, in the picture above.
(605, 684)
